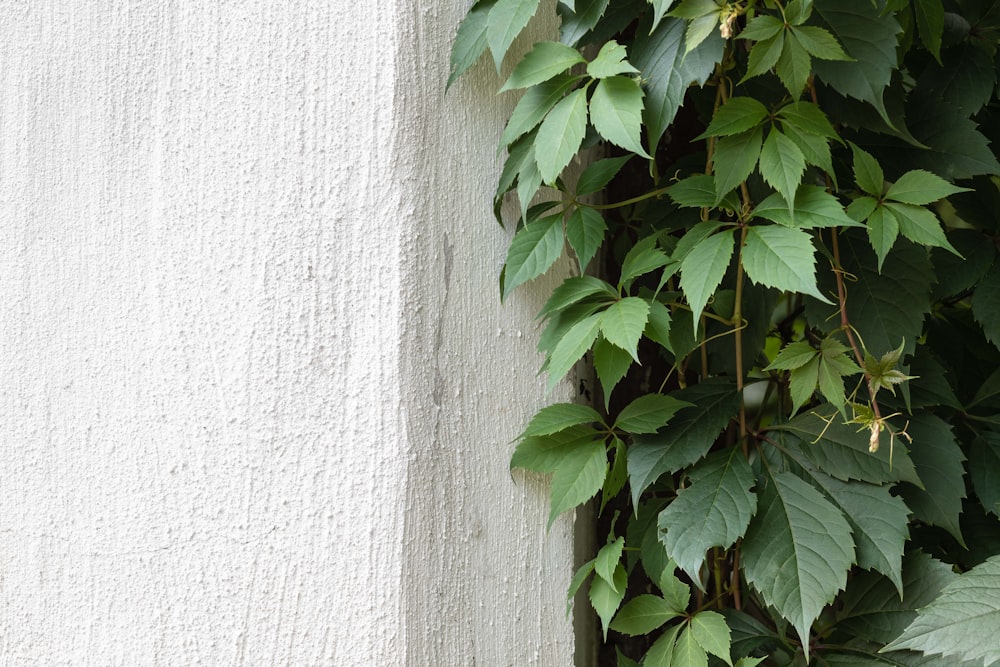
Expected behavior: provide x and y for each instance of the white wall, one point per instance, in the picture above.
(257, 390)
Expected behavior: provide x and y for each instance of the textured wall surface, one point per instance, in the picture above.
(256, 389)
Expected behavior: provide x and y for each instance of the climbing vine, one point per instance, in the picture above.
(788, 288)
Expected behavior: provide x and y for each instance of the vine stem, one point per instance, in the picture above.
(738, 319)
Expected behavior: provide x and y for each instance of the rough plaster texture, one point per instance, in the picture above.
(256, 389)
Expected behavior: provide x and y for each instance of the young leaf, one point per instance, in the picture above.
(605, 598)
(643, 614)
(585, 229)
(703, 268)
(599, 174)
(713, 511)
(686, 439)
(611, 363)
(919, 187)
(544, 61)
(535, 247)
(470, 42)
(782, 258)
(560, 135)
(648, 413)
(735, 157)
(616, 112)
(578, 476)
(782, 164)
(559, 417)
(610, 61)
(533, 105)
(797, 550)
(957, 624)
(623, 322)
(506, 20)
(737, 115)
(712, 634)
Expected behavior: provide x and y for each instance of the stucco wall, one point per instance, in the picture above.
(256, 389)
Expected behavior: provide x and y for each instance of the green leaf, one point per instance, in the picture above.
(959, 622)
(643, 614)
(688, 652)
(533, 105)
(533, 250)
(814, 207)
(608, 559)
(878, 520)
(617, 475)
(585, 229)
(575, 289)
(734, 159)
(470, 42)
(623, 323)
(966, 80)
(867, 172)
(807, 117)
(819, 43)
(667, 72)
(660, 8)
(930, 21)
(883, 230)
(559, 417)
(544, 453)
(605, 598)
(938, 460)
(560, 135)
(640, 260)
(712, 634)
(688, 436)
(802, 383)
(648, 413)
(782, 164)
(713, 511)
(762, 27)
(797, 550)
(703, 269)
(794, 65)
(792, 356)
(696, 191)
(798, 12)
(782, 258)
(616, 112)
(544, 61)
(506, 20)
(869, 37)
(739, 114)
(599, 174)
(611, 363)
(658, 326)
(920, 226)
(661, 653)
(574, 343)
(984, 469)
(578, 477)
(583, 17)
(610, 61)
(841, 450)
(581, 576)
(764, 55)
(919, 187)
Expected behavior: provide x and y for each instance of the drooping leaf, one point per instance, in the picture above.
(984, 468)
(580, 19)
(505, 22)
(660, 8)
(617, 474)
(869, 37)
(608, 559)
(616, 112)
(738, 115)
(644, 257)
(643, 614)
(930, 21)
(544, 61)
(470, 42)
(605, 598)
(598, 174)
(712, 634)
(535, 247)
(667, 71)
(883, 230)
(623, 323)
(938, 460)
(610, 61)
(579, 578)
(575, 289)
(648, 413)
(559, 417)
(687, 438)
(734, 160)
(797, 550)
(585, 230)
(713, 511)
(783, 258)
(611, 363)
(560, 135)
(578, 476)
(703, 269)
(659, 325)
(958, 623)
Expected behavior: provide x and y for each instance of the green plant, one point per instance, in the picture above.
(793, 312)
